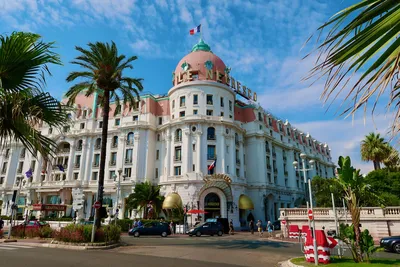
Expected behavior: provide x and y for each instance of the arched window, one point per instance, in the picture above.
(130, 138)
(114, 141)
(211, 133)
(178, 135)
(98, 143)
(79, 145)
(236, 139)
(23, 153)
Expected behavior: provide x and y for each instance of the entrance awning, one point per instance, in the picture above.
(47, 190)
(245, 203)
(172, 201)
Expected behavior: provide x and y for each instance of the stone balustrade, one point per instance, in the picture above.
(379, 221)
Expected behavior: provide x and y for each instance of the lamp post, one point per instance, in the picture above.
(304, 170)
(13, 204)
(118, 193)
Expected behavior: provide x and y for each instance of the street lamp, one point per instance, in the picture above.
(19, 180)
(304, 170)
(118, 193)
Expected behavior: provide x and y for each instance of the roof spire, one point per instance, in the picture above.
(201, 46)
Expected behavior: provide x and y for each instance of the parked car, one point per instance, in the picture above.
(153, 228)
(224, 222)
(207, 228)
(32, 224)
(391, 243)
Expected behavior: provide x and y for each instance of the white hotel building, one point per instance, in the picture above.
(171, 140)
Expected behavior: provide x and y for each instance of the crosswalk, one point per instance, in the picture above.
(10, 246)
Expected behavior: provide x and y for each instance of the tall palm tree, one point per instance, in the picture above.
(362, 44)
(374, 148)
(103, 75)
(392, 161)
(143, 195)
(24, 106)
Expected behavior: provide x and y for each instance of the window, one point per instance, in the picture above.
(135, 118)
(178, 135)
(114, 141)
(117, 122)
(194, 111)
(236, 139)
(269, 121)
(84, 114)
(1, 180)
(157, 154)
(230, 105)
(159, 120)
(173, 104)
(50, 130)
(76, 175)
(222, 102)
(130, 138)
(77, 161)
(113, 159)
(128, 172)
(288, 133)
(194, 147)
(112, 175)
(210, 133)
(227, 168)
(94, 176)
(182, 114)
(156, 173)
(209, 99)
(193, 167)
(282, 138)
(182, 101)
(20, 166)
(177, 170)
(33, 165)
(259, 116)
(118, 110)
(100, 124)
(195, 99)
(178, 153)
(96, 161)
(158, 137)
(82, 126)
(222, 114)
(79, 146)
(230, 117)
(98, 143)
(66, 129)
(237, 172)
(128, 155)
(4, 169)
(209, 112)
(22, 155)
(260, 127)
(211, 152)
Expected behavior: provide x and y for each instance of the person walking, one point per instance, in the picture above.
(270, 228)
(231, 229)
(251, 225)
(259, 228)
(171, 226)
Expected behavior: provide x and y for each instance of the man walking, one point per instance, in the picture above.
(259, 228)
(251, 225)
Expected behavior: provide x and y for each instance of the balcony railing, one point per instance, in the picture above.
(178, 139)
(77, 165)
(112, 163)
(237, 142)
(211, 137)
(3, 171)
(96, 164)
(97, 146)
(129, 142)
(79, 148)
(114, 145)
(237, 161)
(177, 159)
(268, 150)
(275, 170)
(129, 160)
(269, 167)
(19, 171)
(211, 156)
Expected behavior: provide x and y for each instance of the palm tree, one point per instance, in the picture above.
(144, 195)
(102, 74)
(374, 148)
(24, 106)
(392, 161)
(354, 189)
(362, 44)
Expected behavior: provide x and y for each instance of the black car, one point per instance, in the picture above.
(207, 228)
(391, 243)
(154, 228)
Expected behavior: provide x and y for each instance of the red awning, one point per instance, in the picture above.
(196, 212)
(49, 207)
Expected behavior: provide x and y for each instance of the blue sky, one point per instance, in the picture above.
(261, 40)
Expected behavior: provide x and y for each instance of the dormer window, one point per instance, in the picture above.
(209, 99)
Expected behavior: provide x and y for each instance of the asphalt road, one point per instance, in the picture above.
(49, 257)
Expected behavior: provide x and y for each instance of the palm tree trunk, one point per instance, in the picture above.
(377, 165)
(355, 218)
(104, 134)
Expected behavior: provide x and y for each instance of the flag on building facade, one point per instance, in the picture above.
(212, 166)
(195, 30)
(29, 173)
(61, 168)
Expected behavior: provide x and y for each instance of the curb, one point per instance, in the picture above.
(288, 263)
(71, 247)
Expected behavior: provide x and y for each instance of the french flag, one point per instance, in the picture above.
(194, 30)
(212, 166)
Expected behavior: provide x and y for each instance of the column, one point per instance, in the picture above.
(233, 156)
(162, 157)
(71, 159)
(85, 148)
(198, 152)
(171, 157)
(221, 154)
(38, 169)
(186, 159)
(88, 158)
(136, 156)
(241, 155)
(167, 156)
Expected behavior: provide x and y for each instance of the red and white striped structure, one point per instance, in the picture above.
(324, 253)
(294, 231)
(304, 231)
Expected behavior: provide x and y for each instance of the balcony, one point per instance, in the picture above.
(177, 158)
(129, 142)
(275, 170)
(237, 161)
(79, 148)
(96, 164)
(3, 171)
(128, 161)
(112, 163)
(268, 150)
(77, 165)
(237, 142)
(178, 139)
(97, 146)
(274, 154)
(268, 167)
(114, 145)
(19, 171)
(211, 156)
(211, 137)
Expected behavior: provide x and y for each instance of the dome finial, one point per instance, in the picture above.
(201, 46)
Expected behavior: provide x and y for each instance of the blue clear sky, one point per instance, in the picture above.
(261, 40)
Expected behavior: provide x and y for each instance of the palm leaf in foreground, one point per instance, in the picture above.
(363, 45)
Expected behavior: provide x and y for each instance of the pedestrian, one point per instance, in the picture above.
(139, 224)
(134, 224)
(231, 229)
(171, 225)
(270, 228)
(1, 224)
(259, 228)
(251, 225)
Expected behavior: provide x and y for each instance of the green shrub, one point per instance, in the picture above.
(46, 232)
(112, 233)
(124, 224)
(82, 233)
(6, 218)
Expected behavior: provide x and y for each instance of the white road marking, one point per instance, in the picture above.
(15, 246)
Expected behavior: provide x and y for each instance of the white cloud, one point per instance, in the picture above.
(344, 136)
